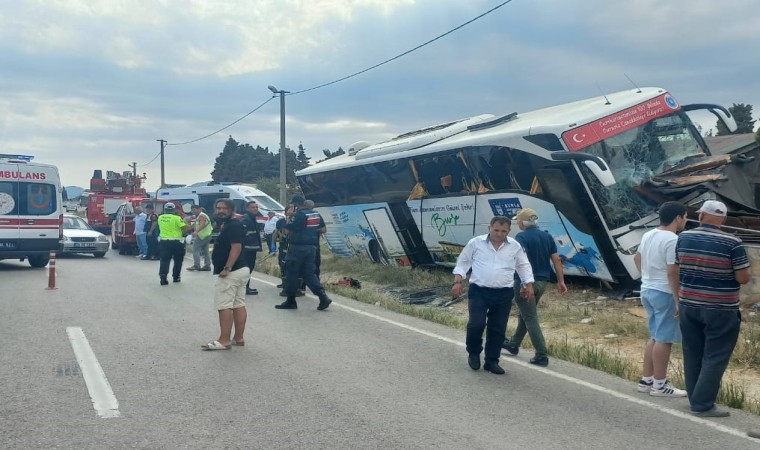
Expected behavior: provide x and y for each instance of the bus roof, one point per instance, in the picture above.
(554, 119)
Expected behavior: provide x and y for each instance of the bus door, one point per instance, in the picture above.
(446, 225)
(384, 245)
(409, 233)
(583, 245)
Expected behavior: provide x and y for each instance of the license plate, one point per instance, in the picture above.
(84, 244)
(7, 245)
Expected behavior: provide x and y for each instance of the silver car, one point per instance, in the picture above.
(79, 237)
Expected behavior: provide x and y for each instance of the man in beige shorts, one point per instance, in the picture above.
(229, 289)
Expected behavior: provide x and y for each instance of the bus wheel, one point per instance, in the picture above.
(38, 260)
(377, 253)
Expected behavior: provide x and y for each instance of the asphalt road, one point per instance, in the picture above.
(354, 376)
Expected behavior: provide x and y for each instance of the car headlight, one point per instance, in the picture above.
(102, 238)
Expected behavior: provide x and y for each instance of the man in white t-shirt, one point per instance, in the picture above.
(656, 259)
(269, 227)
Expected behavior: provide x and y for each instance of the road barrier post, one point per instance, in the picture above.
(51, 271)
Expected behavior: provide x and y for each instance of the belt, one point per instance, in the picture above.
(170, 239)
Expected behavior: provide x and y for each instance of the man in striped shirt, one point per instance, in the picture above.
(712, 266)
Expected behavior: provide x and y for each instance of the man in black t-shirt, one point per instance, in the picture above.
(229, 288)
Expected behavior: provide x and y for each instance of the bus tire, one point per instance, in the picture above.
(38, 260)
(377, 254)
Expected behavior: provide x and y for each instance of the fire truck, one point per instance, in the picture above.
(106, 194)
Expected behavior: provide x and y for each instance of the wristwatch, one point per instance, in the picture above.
(227, 268)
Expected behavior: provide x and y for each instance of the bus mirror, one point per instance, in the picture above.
(595, 164)
(727, 119)
(603, 174)
(718, 111)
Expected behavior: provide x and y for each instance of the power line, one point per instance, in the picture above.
(224, 128)
(154, 158)
(349, 76)
(403, 54)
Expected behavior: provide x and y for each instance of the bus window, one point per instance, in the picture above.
(39, 198)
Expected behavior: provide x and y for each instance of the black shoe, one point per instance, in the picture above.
(494, 368)
(287, 305)
(144, 258)
(164, 281)
(300, 293)
(511, 348)
(176, 279)
(193, 268)
(324, 302)
(249, 291)
(279, 286)
(542, 361)
(474, 361)
(155, 258)
(205, 269)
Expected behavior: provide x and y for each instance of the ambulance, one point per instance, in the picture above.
(31, 209)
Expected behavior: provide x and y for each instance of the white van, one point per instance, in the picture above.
(31, 209)
(205, 195)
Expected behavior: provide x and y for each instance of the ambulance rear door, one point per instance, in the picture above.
(9, 207)
(40, 208)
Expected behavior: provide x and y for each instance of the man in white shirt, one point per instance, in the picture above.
(656, 260)
(140, 234)
(269, 227)
(493, 258)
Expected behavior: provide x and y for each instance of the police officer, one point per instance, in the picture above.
(171, 242)
(251, 241)
(303, 238)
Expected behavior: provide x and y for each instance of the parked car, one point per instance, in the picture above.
(79, 237)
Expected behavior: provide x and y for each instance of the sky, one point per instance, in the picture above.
(93, 84)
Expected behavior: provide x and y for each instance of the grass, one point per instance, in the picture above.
(612, 341)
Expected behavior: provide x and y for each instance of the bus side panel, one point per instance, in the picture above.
(446, 225)
(350, 233)
(579, 252)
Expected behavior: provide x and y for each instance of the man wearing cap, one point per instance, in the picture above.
(542, 253)
(171, 243)
(303, 238)
(713, 265)
(493, 259)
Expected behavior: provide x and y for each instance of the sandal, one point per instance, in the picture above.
(215, 345)
(238, 343)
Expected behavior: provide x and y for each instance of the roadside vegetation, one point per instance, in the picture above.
(584, 327)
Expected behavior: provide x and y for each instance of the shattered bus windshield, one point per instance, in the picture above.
(636, 156)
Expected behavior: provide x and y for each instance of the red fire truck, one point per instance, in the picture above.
(106, 194)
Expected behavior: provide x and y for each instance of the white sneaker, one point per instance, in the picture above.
(667, 390)
(644, 386)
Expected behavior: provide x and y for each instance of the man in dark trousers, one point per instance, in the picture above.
(151, 231)
(493, 258)
(171, 243)
(229, 288)
(542, 253)
(303, 238)
(252, 241)
(713, 265)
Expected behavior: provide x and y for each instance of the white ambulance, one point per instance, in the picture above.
(31, 209)
(207, 193)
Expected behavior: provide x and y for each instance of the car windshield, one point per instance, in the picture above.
(635, 156)
(265, 203)
(75, 223)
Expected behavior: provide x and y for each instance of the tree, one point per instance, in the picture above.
(303, 160)
(742, 115)
(330, 154)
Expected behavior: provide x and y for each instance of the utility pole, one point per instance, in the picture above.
(134, 168)
(283, 156)
(163, 180)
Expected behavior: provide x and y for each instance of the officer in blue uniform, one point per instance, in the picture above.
(303, 238)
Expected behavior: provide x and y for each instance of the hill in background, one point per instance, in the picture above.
(73, 192)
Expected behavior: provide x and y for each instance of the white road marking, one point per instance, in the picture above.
(626, 397)
(103, 399)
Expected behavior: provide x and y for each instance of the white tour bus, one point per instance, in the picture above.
(595, 171)
(206, 194)
(31, 209)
